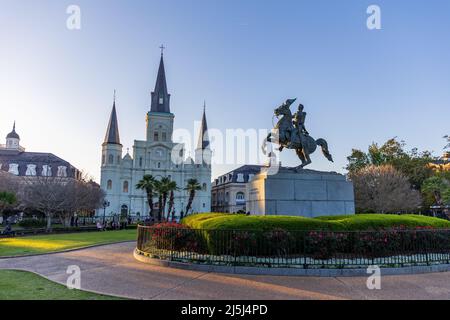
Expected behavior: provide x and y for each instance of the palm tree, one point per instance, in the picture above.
(171, 187)
(148, 185)
(192, 186)
(164, 189)
(159, 189)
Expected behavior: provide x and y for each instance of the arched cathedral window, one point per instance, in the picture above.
(111, 159)
(125, 187)
(109, 185)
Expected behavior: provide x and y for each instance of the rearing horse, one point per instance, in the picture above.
(287, 136)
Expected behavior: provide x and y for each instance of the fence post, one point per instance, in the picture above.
(305, 265)
(234, 247)
(171, 244)
(139, 237)
(426, 251)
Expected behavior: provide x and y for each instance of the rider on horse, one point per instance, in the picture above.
(299, 124)
(290, 132)
(299, 121)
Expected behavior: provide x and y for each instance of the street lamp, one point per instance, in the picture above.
(106, 204)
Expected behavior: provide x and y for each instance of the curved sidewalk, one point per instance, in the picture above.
(112, 270)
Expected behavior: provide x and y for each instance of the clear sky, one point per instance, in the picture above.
(244, 57)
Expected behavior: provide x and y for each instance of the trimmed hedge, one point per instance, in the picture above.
(363, 222)
(272, 235)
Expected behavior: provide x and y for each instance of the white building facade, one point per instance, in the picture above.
(154, 156)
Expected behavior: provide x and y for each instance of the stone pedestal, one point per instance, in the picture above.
(305, 193)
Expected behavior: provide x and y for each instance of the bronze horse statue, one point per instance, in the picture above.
(291, 134)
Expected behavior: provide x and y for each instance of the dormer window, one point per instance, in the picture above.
(161, 100)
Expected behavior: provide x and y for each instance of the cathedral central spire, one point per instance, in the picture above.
(161, 96)
(112, 133)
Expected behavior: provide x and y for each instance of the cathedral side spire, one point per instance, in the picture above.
(112, 133)
(161, 96)
(203, 139)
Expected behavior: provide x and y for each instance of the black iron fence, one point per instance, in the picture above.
(297, 249)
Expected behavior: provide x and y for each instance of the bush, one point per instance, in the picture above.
(363, 222)
(322, 238)
(32, 224)
(173, 236)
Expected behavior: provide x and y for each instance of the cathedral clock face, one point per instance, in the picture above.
(160, 153)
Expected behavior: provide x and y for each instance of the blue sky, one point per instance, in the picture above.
(243, 57)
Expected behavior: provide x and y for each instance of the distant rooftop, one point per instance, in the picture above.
(239, 175)
(39, 159)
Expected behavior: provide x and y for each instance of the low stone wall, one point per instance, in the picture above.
(350, 272)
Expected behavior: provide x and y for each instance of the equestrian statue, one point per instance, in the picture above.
(290, 133)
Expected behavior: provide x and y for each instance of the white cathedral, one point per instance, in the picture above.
(119, 175)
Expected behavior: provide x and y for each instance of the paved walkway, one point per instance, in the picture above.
(113, 270)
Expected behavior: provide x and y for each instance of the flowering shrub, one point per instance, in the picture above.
(173, 236)
(279, 242)
(324, 244)
(242, 243)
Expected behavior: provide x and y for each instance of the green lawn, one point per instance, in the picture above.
(59, 242)
(21, 285)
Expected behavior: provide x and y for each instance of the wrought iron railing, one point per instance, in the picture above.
(296, 249)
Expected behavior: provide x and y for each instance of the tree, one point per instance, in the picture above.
(166, 184)
(357, 160)
(148, 185)
(413, 164)
(172, 187)
(10, 195)
(447, 139)
(162, 188)
(436, 189)
(158, 190)
(80, 197)
(383, 189)
(46, 194)
(7, 199)
(192, 187)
